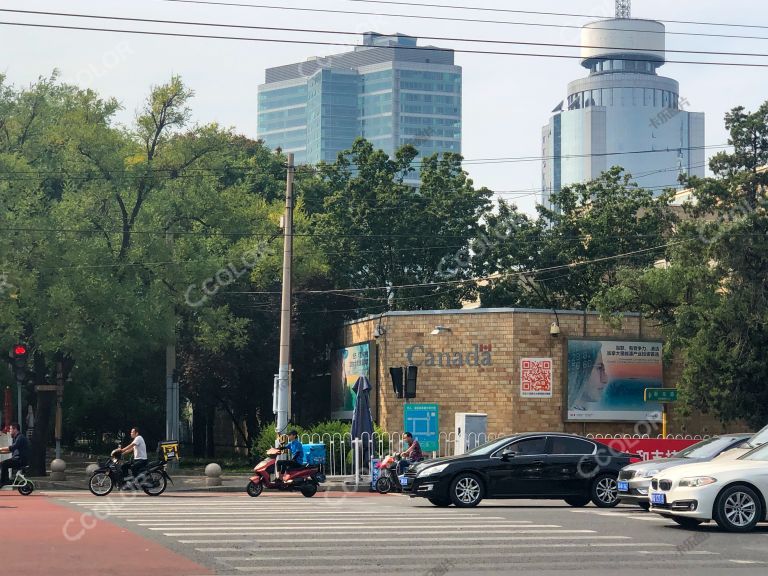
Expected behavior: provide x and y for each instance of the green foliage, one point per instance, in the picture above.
(540, 261)
(711, 299)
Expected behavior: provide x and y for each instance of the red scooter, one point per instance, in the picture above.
(304, 480)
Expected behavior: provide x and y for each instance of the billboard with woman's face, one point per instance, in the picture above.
(607, 379)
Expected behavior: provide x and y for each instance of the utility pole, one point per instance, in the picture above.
(171, 382)
(284, 372)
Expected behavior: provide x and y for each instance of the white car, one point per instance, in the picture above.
(733, 493)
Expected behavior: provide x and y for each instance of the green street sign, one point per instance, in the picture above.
(660, 395)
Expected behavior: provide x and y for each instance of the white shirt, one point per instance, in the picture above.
(139, 448)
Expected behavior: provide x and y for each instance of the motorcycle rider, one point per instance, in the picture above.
(297, 453)
(412, 454)
(139, 448)
(19, 451)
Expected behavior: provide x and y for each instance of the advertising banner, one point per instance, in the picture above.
(536, 378)
(348, 365)
(648, 448)
(606, 380)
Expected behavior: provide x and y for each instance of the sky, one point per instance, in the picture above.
(507, 99)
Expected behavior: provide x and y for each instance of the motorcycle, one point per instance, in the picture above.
(153, 480)
(389, 481)
(304, 480)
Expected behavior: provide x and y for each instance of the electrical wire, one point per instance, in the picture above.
(541, 13)
(353, 45)
(448, 19)
(348, 33)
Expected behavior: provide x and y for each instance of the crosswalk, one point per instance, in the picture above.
(387, 535)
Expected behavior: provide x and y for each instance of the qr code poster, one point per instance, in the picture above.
(536, 378)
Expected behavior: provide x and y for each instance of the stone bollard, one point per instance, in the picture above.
(58, 467)
(90, 469)
(213, 475)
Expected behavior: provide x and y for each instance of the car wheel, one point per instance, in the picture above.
(737, 509)
(466, 490)
(644, 505)
(686, 522)
(441, 502)
(604, 493)
(577, 501)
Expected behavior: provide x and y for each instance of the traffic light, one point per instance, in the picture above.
(19, 354)
(397, 381)
(410, 381)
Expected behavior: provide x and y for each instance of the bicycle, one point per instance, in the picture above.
(21, 483)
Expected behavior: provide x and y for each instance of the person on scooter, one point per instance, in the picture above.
(19, 451)
(297, 453)
(411, 454)
(139, 448)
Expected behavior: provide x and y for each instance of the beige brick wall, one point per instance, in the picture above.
(495, 390)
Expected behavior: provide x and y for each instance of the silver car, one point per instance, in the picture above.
(635, 479)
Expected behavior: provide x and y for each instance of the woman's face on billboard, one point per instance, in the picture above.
(598, 380)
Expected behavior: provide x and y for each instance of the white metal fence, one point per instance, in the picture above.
(343, 458)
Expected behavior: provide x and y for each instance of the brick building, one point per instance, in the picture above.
(470, 361)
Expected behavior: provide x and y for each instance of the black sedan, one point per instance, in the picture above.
(543, 465)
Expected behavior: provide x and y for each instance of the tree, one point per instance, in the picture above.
(568, 255)
(710, 298)
(392, 241)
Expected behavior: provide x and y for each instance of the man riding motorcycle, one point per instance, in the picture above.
(297, 453)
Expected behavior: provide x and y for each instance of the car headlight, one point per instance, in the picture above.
(650, 473)
(432, 470)
(695, 481)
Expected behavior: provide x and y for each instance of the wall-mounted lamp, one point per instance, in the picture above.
(440, 330)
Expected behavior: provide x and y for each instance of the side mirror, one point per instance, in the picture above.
(507, 454)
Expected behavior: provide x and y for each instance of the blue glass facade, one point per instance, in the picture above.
(623, 114)
(387, 91)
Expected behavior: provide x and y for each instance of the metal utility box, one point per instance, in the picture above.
(471, 431)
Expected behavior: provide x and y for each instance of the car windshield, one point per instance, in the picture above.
(758, 439)
(489, 447)
(760, 453)
(708, 448)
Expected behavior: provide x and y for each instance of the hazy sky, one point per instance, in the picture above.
(507, 99)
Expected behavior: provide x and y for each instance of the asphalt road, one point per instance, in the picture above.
(370, 534)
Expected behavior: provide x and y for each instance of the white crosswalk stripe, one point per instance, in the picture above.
(239, 535)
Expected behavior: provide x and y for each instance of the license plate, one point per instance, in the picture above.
(623, 486)
(657, 498)
(403, 480)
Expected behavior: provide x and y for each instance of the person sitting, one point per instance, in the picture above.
(19, 451)
(139, 449)
(296, 451)
(411, 455)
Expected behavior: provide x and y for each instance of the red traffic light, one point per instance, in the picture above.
(19, 350)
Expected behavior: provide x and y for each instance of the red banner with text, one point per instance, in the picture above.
(648, 448)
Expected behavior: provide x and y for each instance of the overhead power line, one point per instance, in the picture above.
(350, 44)
(349, 33)
(449, 19)
(541, 13)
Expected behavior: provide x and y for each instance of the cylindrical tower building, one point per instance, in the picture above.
(622, 114)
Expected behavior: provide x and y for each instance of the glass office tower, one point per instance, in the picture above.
(389, 91)
(622, 114)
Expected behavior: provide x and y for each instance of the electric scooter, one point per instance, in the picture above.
(304, 480)
(389, 481)
(109, 475)
(21, 483)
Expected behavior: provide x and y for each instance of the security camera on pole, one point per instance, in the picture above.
(283, 384)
